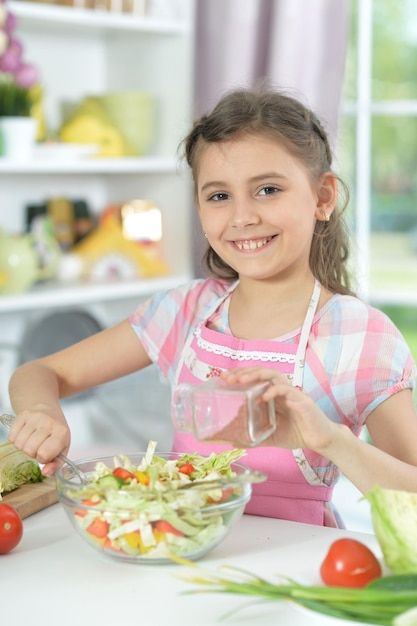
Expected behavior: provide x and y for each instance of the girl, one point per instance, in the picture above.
(278, 305)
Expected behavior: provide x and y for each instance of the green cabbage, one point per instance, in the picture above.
(16, 468)
(394, 518)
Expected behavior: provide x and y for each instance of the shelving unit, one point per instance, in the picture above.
(44, 296)
(132, 165)
(83, 52)
(67, 18)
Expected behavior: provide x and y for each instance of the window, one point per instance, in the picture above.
(378, 155)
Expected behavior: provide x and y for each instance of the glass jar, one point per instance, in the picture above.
(217, 412)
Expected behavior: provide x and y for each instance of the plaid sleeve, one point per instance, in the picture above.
(164, 322)
(357, 359)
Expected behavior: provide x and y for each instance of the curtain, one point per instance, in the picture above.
(297, 45)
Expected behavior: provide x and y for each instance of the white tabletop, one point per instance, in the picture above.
(53, 576)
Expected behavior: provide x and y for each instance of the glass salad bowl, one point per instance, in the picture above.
(147, 508)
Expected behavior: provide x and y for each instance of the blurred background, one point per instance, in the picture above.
(96, 207)
(378, 154)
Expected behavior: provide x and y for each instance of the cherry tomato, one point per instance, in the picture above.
(11, 528)
(349, 563)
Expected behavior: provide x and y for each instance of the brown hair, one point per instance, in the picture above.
(274, 114)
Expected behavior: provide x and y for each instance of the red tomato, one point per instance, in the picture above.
(186, 468)
(98, 528)
(166, 527)
(349, 563)
(123, 473)
(11, 528)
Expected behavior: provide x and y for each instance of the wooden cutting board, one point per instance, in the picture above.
(32, 497)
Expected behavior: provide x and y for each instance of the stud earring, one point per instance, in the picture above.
(205, 235)
(325, 216)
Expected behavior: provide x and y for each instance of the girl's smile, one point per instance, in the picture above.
(252, 244)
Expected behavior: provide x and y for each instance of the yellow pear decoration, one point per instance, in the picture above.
(90, 124)
(38, 112)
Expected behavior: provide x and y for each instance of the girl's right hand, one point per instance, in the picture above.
(42, 435)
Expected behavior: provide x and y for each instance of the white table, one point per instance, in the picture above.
(54, 577)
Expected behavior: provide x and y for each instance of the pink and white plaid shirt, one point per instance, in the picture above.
(355, 359)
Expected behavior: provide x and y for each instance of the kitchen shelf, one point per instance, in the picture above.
(69, 18)
(53, 294)
(131, 165)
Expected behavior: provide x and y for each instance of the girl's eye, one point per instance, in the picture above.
(218, 197)
(268, 190)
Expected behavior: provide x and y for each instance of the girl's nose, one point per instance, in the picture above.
(244, 213)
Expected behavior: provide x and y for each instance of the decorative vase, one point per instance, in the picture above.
(18, 263)
(18, 137)
(133, 113)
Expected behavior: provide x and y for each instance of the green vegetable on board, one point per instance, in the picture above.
(394, 518)
(16, 468)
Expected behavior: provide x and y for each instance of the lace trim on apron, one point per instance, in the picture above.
(243, 355)
(203, 371)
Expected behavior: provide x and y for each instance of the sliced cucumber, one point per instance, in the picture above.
(109, 481)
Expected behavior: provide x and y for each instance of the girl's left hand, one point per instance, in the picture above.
(300, 422)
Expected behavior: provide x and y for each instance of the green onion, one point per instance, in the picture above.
(369, 605)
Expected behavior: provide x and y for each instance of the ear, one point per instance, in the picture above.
(327, 193)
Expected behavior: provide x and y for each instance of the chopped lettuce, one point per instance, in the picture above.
(16, 468)
(394, 518)
(220, 464)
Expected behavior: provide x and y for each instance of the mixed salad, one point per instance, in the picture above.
(144, 510)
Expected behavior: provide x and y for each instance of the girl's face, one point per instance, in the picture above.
(258, 206)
